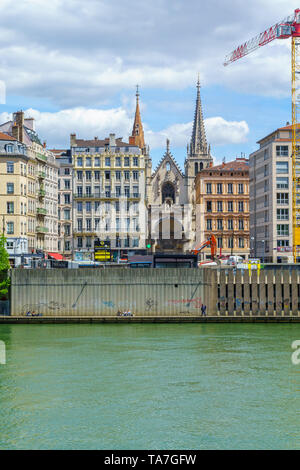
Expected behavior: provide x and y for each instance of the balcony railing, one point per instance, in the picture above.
(107, 196)
(41, 211)
(39, 156)
(41, 193)
(41, 174)
(41, 229)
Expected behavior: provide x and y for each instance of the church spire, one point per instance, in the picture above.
(198, 141)
(138, 131)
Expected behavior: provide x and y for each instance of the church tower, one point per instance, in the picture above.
(198, 152)
(137, 136)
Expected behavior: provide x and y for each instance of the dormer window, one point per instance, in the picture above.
(9, 148)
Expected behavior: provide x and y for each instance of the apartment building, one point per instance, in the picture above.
(271, 197)
(222, 207)
(109, 195)
(65, 202)
(13, 196)
(41, 188)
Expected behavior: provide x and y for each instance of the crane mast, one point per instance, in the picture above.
(287, 28)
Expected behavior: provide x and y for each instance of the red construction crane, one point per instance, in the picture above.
(287, 28)
(212, 242)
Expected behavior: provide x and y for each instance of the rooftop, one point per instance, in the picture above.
(6, 137)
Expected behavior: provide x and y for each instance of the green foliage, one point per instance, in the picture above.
(4, 260)
(4, 286)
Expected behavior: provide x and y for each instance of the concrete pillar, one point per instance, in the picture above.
(262, 293)
(238, 292)
(295, 292)
(254, 293)
(222, 292)
(270, 282)
(278, 293)
(230, 282)
(246, 293)
(286, 292)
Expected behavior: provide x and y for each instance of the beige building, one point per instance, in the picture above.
(271, 197)
(41, 186)
(13, 196)
(222, 207)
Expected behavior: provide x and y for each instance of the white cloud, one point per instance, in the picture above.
(56, 127)
(81, 53)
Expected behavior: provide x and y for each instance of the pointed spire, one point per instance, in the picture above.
(138, 131)
(198, 141)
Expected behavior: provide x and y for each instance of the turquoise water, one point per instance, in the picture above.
(149, 386)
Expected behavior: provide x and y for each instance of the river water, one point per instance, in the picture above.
(196, 386)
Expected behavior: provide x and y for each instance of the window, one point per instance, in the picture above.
(88, 161)
(282, 214)
(9, 148)
(67, 213)
(97, 175)
(79, 242)
(88, 175)
(283, 230)
(282, 151)
(118, 161)
(107, 191)
(283, 243)
(135, 242)
(88, 242)
(79, 175)
(79, 161)
(97, 206)
(126, 175)
(67, 230)
(282, 167)
(97, 161)
(67, 198)
(241, 206)
(10, 207)
(126, 161)
(282, 182)
(208, 188)
(9, 228)
(88, 225)
(10, 188)
(208, 224)
(230, 224)
(220, 242)
(230, 242)
(241, 242)
(219, 206)
(126, 242)
(135, 175)
(282, 198)
(230, 206)
(67, 246)
(168, 166)
(135, 191)
(135, 163)
(241, 224)
(79, 206)
(88, 190)
(241, 188)
(97, 191)
(220, 224)
(107, 175)
(230, 188)
(126, 191)
(107, 161)
(266, 170)
(88, 206)
(208, 206)
(67, 171)
(219, 188)
(118, 175)
(117, 206)
(10, 167)
(79, 225)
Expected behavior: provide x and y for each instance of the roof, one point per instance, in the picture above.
(288, 127)
(167, 155)
(100, 143)
(6, 137)
(240, 164)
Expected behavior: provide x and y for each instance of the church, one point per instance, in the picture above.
(171, 191)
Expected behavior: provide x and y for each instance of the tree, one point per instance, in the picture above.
(4, 267)
(4, 259)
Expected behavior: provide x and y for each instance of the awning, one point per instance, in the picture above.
(56, 256)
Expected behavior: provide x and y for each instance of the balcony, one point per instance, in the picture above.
(107, 196)
(41, 193)
(41, 157)
(41, 211)
(41, 175)
(40, 229)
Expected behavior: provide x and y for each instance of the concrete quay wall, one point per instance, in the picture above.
(105, 292)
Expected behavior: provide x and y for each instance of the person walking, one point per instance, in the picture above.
(203, 310)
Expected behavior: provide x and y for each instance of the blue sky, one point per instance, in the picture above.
(75, 69)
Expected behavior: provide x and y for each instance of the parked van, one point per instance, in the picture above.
(234, 260)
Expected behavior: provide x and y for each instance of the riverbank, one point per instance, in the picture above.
(148, 319)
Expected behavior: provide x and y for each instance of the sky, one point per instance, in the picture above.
(74, 65)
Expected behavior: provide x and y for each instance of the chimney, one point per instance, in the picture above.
(30, 123)
(18, 129)
(112, 140)
(44, 144)
(73, 140)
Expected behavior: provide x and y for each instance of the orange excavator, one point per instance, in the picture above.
(212, 242)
